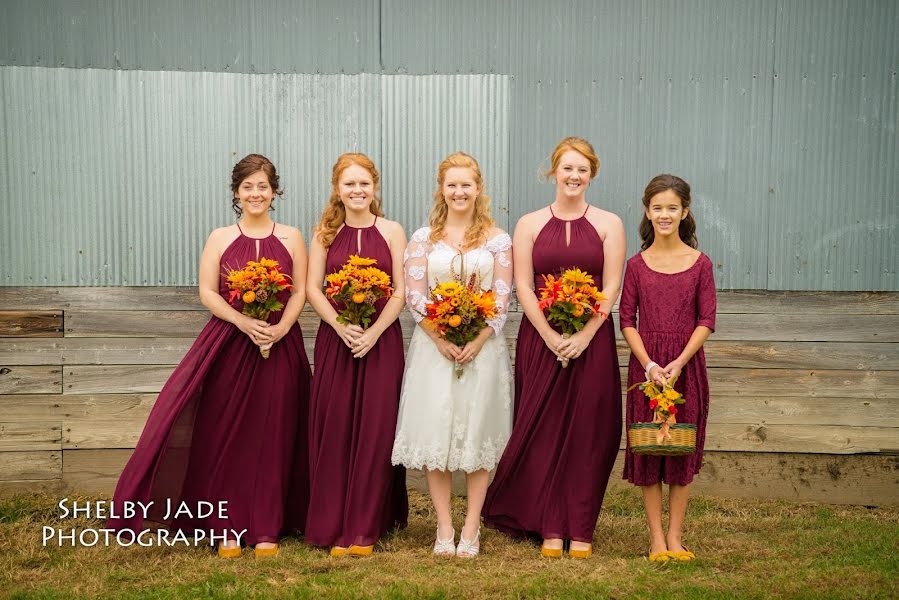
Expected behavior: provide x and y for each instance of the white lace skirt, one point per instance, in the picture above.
(448, 424)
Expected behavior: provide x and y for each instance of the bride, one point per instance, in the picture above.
(447, 423)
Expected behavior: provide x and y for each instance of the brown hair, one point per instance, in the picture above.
(477, 232)
(579, 145)
(334, 214)
(663, 183)
(249, 164)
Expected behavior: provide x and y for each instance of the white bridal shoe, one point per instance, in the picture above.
(469, 548)
(445, 547)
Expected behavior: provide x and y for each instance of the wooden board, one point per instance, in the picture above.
(102, 433)
(788, 382)
(115, 379)
(85, 407)
(135, 323)
(30, 435)
(93, 471)
(94, 351)
(102, 298)
(856, 479)
(807, 327)
(818, 439)
(30, 465)
(30, 323)
(835, 479)
(187, 298)
(799, 410)
(46, 379)
(859, 356)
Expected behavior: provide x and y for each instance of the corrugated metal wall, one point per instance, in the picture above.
(124, 173)
(782, 114)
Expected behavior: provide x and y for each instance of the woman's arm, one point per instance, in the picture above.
(396, 239)
(318, 256)
(294, 306)
(522, 249)
(614, 248)
(209, 275)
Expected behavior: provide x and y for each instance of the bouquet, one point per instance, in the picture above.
(459, 311)
(569, 301)
(664, 403)
(357, 285)
(257, 286)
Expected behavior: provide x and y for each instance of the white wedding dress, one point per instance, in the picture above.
(447, 423)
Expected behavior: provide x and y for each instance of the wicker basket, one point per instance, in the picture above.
(643, 439)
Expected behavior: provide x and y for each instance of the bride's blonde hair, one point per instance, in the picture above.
(476, 233)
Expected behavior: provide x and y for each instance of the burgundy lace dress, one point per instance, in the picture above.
(670, 307)
(229, 426)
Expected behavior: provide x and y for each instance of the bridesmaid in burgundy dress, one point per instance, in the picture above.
(230, 425)
(552, 477)
(356, 495)
(671, 285)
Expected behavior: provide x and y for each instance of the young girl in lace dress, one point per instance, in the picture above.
(671, 285)
(448, 423)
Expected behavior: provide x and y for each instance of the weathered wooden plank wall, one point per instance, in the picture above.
(803, 388)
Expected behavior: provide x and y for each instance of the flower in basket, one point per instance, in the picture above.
(357, 286)
(569, 301)
(459, 311)
(663, 403)
(256, 286)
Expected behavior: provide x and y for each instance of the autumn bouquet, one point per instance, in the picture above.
(357, 285)
(257, 286)
(664, 436)
(569, 301)
(459, 311)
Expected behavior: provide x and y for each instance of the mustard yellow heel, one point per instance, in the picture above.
(265, 552)
(580, 553)
(229, 552)
(360, 550)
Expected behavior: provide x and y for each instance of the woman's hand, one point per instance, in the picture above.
(365, 342)
(348, 333)
(276, 333)
(574, 346)
(449, 350)
(657, 375)
(553, 340)
(673, 369)
(256, 330)
(471, 349)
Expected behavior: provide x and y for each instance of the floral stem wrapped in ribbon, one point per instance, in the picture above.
(357, 285)
(569, 301)
(459, 311)
(256, 286)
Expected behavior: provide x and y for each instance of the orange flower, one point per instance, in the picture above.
(249, 297)
(359, 297)
(578, 310)
(454, 321)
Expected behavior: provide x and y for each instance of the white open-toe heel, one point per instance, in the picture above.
(445, 547)
(469, 548)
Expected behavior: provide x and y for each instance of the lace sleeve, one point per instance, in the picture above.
(630, 298)
(501, 249)
(415, 269)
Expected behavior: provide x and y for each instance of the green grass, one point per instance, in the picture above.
(746, 549)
